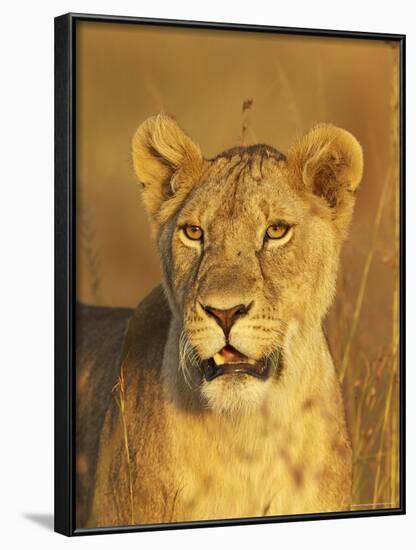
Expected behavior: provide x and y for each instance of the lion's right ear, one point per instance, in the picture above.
(167, 163)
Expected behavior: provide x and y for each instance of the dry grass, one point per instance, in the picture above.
(88, 246)
(372, 384)
(120, 398)
(245, 112)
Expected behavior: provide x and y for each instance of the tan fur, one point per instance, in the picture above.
(179, 448)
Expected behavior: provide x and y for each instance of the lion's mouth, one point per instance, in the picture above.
(231, 361)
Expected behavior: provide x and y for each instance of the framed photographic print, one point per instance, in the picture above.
(229, 312)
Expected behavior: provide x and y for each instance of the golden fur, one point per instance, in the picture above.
(176, 447)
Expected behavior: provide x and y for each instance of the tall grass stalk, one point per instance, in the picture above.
(392, 405)
(88, 246)
(120, 399)
(364, 278)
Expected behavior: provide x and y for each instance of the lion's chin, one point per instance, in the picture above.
(235, 394)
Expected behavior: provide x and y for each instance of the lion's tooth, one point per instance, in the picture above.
(251, 361)
(219, 359)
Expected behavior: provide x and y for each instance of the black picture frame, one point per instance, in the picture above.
(65, 268)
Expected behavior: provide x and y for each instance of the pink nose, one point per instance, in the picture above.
(227, 317)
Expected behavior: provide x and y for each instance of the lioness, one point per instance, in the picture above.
(217, 397)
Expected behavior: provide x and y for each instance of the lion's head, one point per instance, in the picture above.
(249, 243)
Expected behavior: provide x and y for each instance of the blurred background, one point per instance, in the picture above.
(231, 88)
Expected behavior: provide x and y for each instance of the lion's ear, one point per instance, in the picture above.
(329, 161)
(166, 161)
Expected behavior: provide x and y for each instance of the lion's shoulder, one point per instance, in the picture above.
(106, 335)
(105, 331)
(148, 326)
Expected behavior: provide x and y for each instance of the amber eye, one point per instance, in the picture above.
(277, 230)
(193, 232)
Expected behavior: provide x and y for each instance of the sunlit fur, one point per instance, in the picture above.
(236, 446)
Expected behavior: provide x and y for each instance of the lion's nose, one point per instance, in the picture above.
(227, 317)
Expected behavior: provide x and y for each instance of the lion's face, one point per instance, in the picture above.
(248, 257)
(249, 244)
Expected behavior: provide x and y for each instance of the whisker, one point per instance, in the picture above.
(188, 357)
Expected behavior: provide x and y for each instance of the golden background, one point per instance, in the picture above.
(126, 73)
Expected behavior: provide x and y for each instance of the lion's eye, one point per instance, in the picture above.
(277, 230)
(193, 232)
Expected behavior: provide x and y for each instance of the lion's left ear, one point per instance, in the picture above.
(329, 161)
